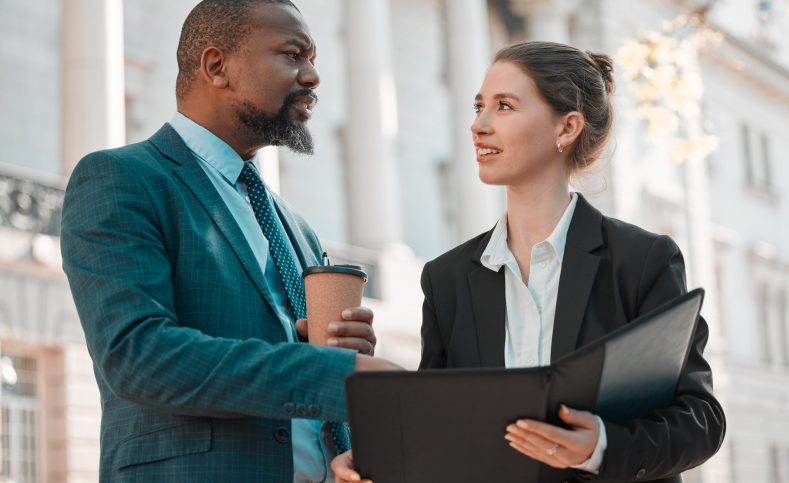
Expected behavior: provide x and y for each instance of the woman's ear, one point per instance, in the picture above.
(571, 126)
(213, 67)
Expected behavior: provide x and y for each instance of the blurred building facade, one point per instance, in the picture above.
(394, 182)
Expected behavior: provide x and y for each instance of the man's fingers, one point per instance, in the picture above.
(363, 314)
(362, 346)
(355, 332)
(352, 329)
(301, 327)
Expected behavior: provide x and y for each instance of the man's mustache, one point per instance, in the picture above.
(301, 93)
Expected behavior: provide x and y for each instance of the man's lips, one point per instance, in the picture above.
(304, 110)
(304, 105)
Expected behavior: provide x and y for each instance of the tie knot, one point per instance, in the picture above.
(249, 175)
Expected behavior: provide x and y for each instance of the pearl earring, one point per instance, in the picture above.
(559, 147)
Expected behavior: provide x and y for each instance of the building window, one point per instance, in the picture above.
(19, 434)
(447, 193)
(775, 464)
(720, 283)
(763, 307)
(758, 165)
(732, 461)
(766, 162)
(783, 327)
(747, 156)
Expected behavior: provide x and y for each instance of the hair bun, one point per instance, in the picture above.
(606, 67)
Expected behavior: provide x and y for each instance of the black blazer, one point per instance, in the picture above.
(612, 272)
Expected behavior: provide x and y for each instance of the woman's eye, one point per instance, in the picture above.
(504, 106)
(477, 108)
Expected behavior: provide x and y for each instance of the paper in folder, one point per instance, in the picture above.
(448, 425)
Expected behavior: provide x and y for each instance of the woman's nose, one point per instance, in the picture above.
(481, 125)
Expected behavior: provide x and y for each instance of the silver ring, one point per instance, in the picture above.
(552, 450)
(372, 348)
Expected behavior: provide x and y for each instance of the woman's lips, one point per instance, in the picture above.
(486, 153)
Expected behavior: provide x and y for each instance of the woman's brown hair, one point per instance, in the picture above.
(569, 80)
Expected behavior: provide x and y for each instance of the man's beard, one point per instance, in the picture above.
(279, 129)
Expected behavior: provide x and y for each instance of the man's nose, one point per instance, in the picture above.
(308, 77)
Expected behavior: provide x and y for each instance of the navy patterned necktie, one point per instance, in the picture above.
(263, 207)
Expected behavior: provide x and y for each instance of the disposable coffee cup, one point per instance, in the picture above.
(329, 290)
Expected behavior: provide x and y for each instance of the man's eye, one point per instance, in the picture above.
(293, 55)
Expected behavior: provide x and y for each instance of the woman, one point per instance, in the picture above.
(554, 274)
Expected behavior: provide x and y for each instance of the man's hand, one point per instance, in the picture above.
(342, 466)
(555, 446)
(355, 331)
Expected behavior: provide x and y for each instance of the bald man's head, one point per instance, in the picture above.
(222, 24)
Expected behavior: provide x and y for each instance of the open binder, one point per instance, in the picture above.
(448, 425)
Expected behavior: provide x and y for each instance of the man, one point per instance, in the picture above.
(185, 271)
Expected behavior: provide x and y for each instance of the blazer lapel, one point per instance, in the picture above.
(171, 145)
(488, 302)
(579, 269)
(307, 254)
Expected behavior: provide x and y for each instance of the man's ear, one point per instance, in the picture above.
(213, 68)
(571, 126)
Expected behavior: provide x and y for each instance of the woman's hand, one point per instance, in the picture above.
(555, 446)
(342, 466)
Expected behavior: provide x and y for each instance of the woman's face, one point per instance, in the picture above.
(515, 130)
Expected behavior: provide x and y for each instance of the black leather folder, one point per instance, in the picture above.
(448, 425)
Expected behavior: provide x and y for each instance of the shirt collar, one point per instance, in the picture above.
(208, 147)
(497, 253)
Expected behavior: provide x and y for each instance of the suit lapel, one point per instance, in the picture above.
(579, 269)
(307, 254)
(185, 167)
(488, 302)
(489, 305)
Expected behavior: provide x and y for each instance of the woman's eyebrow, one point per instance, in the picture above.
(502, 95)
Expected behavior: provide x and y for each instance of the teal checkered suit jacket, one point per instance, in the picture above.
(197, 381)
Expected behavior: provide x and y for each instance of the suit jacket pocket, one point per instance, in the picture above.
(164, 443)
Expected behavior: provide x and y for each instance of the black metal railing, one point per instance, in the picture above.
(29, 205)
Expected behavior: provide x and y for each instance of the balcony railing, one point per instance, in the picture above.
(29, 205)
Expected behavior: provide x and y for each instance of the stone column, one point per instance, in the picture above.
(700, 266)
(547, 19)
(372, 179)
(267, 160)
(93, 84)
(478, 205)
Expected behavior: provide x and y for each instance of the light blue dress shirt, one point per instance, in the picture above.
(223, 165)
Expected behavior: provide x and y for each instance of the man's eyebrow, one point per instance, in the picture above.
(303, 46)
(299, 43)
